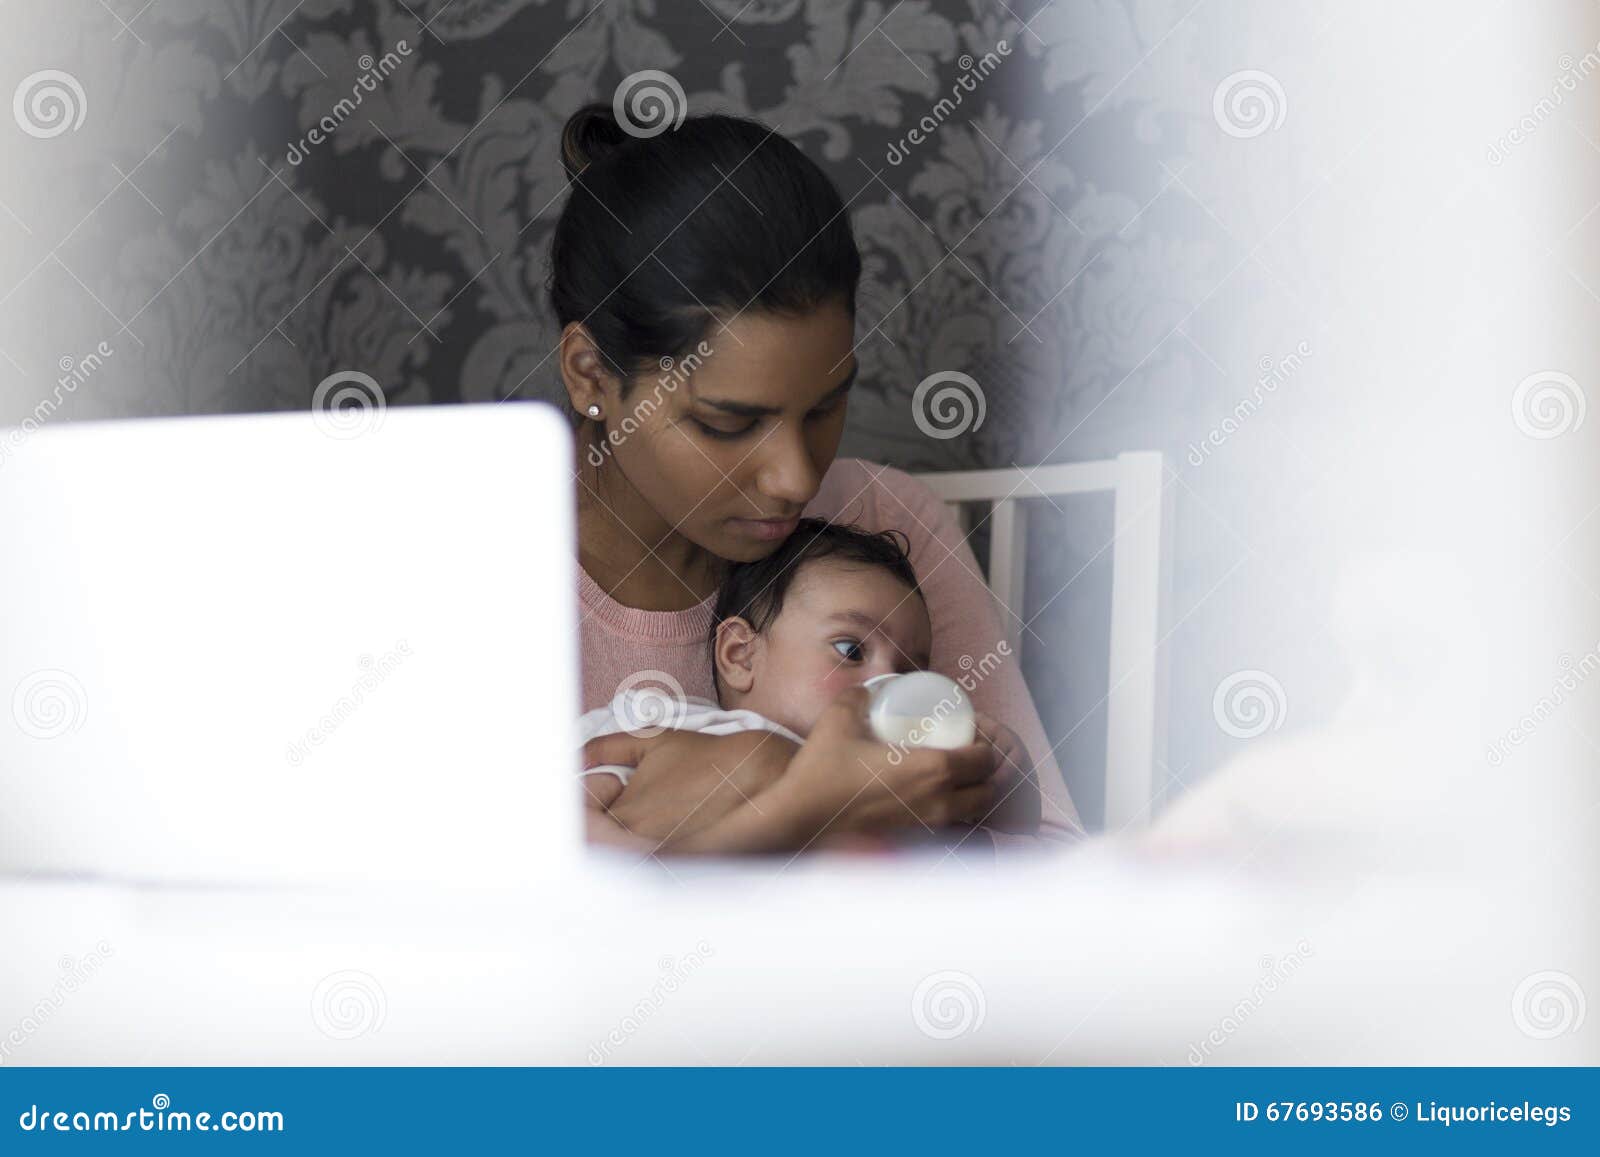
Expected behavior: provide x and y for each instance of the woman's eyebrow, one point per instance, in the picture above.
(749, 410)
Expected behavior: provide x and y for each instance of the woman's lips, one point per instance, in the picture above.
(765, 529)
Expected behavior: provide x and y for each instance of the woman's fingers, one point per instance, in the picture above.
(1009, 751)
(972, 805)
(1017, 801)
(963, 766)
(622, 749)
(601, 791)
(973, 764)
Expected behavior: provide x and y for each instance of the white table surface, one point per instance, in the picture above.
(1106, 955)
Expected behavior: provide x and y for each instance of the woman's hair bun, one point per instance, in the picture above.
(589, 134)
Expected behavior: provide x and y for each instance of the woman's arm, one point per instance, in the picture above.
(686, 781)
(693, 793)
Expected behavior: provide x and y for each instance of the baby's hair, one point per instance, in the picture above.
(754, 591)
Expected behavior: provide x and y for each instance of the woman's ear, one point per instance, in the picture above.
(735, 655)
(583, 371)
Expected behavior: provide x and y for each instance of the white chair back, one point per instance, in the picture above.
(1141, 574)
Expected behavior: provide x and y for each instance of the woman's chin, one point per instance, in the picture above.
(736, 548)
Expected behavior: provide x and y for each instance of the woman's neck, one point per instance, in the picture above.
(630, 551)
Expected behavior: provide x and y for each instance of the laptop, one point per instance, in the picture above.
(290, 648)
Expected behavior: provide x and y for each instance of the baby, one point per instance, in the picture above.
(831, 608)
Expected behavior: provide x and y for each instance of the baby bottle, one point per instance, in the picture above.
(920, 709)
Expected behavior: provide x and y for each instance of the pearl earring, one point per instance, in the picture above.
(594, 411)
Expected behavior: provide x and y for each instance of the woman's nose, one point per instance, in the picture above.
(788, 475)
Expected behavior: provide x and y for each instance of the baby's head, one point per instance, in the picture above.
(830, 608)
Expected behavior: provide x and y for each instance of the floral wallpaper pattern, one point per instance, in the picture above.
(412, 240)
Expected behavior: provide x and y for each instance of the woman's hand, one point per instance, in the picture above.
(684, 781)
(1017, 799)
(845, 780)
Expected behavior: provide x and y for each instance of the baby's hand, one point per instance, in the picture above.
(1017, 801)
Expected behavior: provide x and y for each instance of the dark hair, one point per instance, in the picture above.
(754, 591)
(663, 235)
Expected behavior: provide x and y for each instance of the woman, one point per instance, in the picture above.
(705, 282)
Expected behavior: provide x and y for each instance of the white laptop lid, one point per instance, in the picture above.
(290, 648)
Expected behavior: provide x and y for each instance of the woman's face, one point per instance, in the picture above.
(730, 453)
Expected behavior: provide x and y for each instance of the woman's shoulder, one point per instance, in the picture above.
(867, 493)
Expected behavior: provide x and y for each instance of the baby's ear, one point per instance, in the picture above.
(735, 654)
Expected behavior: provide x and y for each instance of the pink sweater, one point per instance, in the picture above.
(619, 642)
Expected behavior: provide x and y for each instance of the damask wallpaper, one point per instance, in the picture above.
(412, 240)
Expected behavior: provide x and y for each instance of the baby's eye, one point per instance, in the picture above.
(849, 649)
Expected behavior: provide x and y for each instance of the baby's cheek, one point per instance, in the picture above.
(812, 696)
(832, 682)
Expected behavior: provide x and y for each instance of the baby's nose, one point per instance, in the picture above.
(876, 671)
